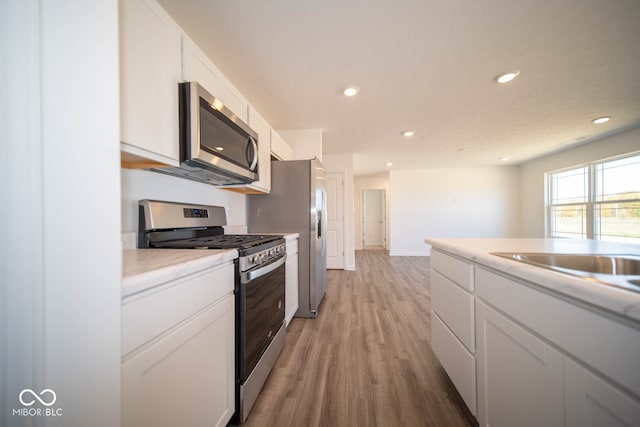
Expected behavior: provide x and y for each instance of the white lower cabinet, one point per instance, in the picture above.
(178, 343)
(291, 281)
(186, 377)
(456, 360)
(520, 380)
(590, 401)
(545, 361)
(453, 336)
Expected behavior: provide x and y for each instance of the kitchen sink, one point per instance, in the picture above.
(618, 270)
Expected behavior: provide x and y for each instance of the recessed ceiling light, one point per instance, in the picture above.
(508, 76)
(503, 159)
(389, 164)
(601, 120)
(219, 148)
(351, 90)
(409, 133)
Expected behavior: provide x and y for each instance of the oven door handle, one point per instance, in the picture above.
(254, 274)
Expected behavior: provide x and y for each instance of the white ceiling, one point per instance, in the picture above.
(430, 66)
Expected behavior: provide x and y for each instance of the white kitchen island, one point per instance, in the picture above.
(526, 345)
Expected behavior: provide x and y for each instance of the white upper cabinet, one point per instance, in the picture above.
(156, 55)
(260, 125)
(196, 66)
(279, 148)
(150, 70)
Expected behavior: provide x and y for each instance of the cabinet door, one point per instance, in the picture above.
(260, 125)
(520, 378)
(591, 401)
(198, 67)
(150, 68)
(185, 377)
(279, 148)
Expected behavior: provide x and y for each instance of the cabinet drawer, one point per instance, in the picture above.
(455, 307)
(453, 269)
(155, 311)
(456, 360)
(604, 344)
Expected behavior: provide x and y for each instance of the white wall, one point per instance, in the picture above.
(344, 163)
(142, 184)
(532, 174)
(61, 256)
(306, 143)
(469, 202)
(378, 181)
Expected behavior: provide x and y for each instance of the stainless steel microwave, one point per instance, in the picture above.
(216, 146)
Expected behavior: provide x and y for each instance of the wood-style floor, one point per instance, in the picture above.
(367, 359)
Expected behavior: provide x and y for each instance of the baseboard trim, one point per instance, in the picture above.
(395, 253)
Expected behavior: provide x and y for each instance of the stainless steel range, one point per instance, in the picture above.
(259, 288)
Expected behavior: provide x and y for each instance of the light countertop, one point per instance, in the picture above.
(613, 299)
(145, 268)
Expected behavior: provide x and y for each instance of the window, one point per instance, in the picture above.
(600, 200)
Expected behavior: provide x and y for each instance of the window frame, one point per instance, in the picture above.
(591, 203)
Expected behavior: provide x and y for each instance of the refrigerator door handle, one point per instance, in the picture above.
(319, 227)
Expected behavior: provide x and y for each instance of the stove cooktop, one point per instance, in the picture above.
(224, 241)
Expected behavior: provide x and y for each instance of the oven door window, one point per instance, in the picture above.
(223, 138)
(262, 301)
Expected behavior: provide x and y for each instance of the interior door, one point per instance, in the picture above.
(373, 202)
(335, 220)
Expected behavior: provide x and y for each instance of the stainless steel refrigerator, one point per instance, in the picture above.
(297, 204)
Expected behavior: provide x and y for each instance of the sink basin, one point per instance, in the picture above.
(601, 264)
(618, 270)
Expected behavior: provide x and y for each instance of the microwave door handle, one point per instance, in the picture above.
(254, 162)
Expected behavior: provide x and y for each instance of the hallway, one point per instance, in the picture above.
(366, 360)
